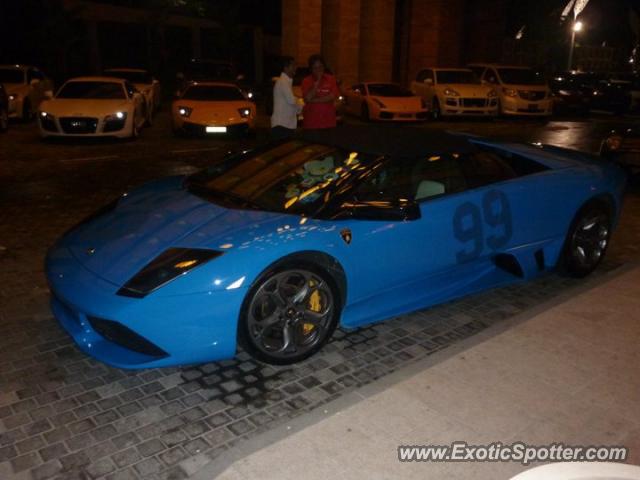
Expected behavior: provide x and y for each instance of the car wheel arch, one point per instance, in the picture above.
(316, 258)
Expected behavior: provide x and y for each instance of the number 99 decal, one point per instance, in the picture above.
(468, 225)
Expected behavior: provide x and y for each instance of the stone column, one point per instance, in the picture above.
(301, 28)
(196, 42)
(377, 23)
(436, 36)
(341, 38)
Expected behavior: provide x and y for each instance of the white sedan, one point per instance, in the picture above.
(94, 107)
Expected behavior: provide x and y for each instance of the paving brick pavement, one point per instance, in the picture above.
(64, 415)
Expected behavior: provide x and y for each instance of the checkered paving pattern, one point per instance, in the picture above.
(64, 415)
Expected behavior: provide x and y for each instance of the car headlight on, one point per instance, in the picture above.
(379, 103)
(510, 92)
(596, 93)
(492, 93)
(244, 112)
(249, 95)
(165, 267)
(46, 116)
(185, 111)
(14, 96)
(116, 117)
(613, 142)
(450, 92)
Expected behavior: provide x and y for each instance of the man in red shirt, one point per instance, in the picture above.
(320, 92)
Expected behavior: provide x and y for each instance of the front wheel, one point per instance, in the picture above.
(587, 240)
(364, 112)
(435, 109)
(289, 314)
(4, 120)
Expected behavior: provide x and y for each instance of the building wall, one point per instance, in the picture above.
(301, 28)
(363, 40)
(377, 18)
(341, 37)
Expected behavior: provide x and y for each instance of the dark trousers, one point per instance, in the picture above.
(281, 133)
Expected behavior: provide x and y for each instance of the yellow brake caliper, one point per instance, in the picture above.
(314, 305)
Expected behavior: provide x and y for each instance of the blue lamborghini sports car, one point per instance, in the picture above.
(271, 249)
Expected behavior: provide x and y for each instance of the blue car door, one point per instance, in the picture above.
(399, 266)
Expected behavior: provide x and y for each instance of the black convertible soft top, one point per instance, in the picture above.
(390, 140)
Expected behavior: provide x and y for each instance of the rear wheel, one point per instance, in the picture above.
(587, 240)
(289, 314)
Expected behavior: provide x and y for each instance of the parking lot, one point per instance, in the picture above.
(64, 415)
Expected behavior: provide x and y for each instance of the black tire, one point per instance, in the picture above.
(149, 116)
(27, 112)
(364, 112)
(436, 114)
(4, 120)
(279, 327)
(135, 131)
(587, 240)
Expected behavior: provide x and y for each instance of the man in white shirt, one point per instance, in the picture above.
(285, 104)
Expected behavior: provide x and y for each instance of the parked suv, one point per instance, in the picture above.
(521, 90)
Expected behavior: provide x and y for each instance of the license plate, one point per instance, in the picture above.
(216, 129)
(533, 107)
(405, 115)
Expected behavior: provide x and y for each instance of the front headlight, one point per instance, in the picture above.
(244, 112)
(492, 93)
(510, 92)
(116, 117)
(613, 142)
(450, 92)
(185, 111)
(46, 116)
(379, 103)
(249, 95)
(164, 268)
(14, 96)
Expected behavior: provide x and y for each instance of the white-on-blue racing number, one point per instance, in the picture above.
(469, 225)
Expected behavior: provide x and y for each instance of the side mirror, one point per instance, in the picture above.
(48, 94)
(400, 211)
(240, 77)
(34, 82)
(428, 81)
(155, 81)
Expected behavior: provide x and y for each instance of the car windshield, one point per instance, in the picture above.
(11, 75)
(92, 89)
(133, 77)
(388, 90)
(520, 76)
(294, 177)
(210, 71)
(457, 76)
(213, 93)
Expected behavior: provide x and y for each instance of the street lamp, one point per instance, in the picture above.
(577, 27)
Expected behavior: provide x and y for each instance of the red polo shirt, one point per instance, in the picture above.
(320, 115)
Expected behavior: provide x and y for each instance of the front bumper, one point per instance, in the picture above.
(456, 106)
(153, 331)
(92, 127)
(519, 106)
(402, 116)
